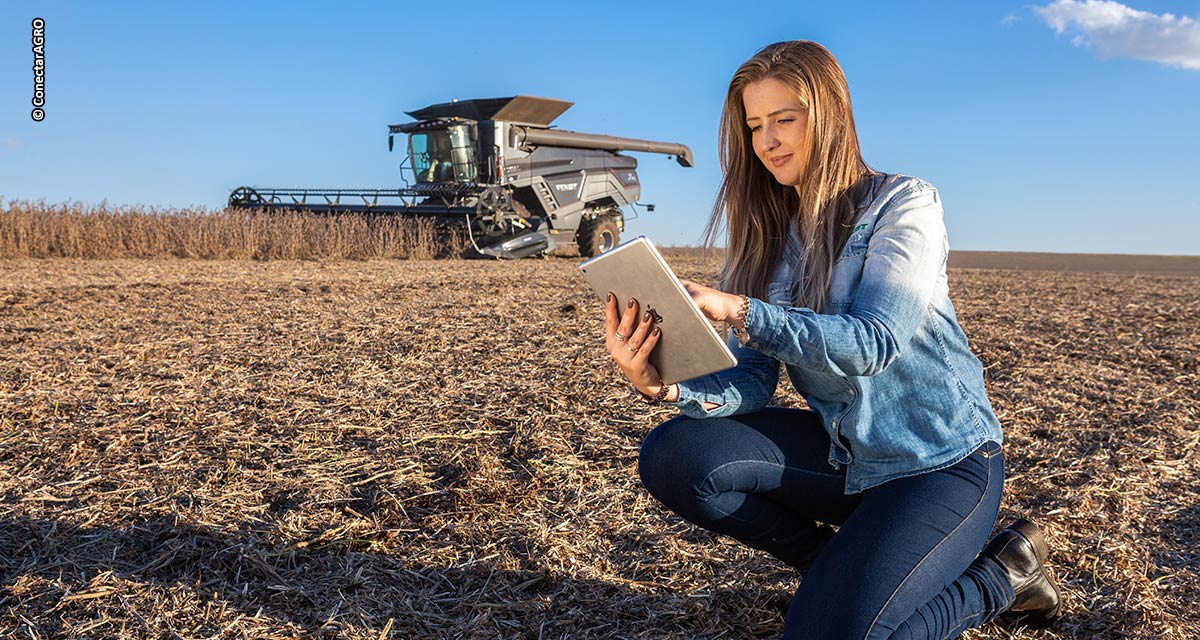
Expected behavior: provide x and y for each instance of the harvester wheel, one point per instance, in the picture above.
(244, 197)
(493, 226)
(495, 200)
(597, 235)
(492, 212)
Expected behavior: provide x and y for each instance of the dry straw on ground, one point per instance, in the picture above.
(441, 449)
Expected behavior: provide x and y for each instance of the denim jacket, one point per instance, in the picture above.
(886, 365)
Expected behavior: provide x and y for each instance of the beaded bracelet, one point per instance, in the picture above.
(663, 390)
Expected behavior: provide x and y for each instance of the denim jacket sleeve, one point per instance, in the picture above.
(904, 260)
(745, 388)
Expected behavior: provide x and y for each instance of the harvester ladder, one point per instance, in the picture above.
(546, 195)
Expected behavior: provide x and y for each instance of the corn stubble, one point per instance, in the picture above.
(441, 449)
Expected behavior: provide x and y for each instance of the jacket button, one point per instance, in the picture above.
(833, 424)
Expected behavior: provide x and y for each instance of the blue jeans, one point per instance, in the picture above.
(902, 563)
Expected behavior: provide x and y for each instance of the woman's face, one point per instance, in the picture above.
(777, 121)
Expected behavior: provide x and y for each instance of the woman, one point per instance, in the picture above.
(838, 272)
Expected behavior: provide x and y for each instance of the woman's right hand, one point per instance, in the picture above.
(629, 340)
(717, 306)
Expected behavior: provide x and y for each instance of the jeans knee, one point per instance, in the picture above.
(658, 449)
(670, 458)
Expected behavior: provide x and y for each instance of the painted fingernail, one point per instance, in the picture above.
(632, 302)
(609, 297)
(657, 332)
(646, 317)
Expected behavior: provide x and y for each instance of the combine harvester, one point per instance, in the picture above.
(521, 187)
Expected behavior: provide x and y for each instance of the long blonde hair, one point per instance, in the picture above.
(757, 210)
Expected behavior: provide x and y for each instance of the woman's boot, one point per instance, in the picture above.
(1020, 549)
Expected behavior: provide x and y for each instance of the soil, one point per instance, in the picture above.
(442, 449)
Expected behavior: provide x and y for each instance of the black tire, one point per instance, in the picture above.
(597, 235)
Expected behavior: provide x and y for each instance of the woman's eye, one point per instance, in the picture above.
(783, 120)
(755, 128)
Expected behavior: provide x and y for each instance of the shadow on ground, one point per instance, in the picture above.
(59, 580)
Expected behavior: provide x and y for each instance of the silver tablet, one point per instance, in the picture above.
(689, 346)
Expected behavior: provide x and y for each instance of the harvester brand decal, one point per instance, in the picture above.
(566, 186)
(631, 177)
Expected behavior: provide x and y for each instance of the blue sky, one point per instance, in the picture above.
(1069, 126)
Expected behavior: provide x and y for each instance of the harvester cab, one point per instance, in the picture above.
(443, 154)
(521, 187)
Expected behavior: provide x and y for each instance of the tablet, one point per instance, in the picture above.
(689, 346)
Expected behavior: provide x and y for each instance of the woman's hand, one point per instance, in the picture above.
(629, 340)
(717, 306)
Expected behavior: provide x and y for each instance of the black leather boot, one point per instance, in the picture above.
(1021, 550)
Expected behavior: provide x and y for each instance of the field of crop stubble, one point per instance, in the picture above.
(441, 449)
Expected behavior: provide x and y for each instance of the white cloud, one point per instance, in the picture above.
(1119, 31)
(1009, 20)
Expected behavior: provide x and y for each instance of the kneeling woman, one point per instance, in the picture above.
(884, 493)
